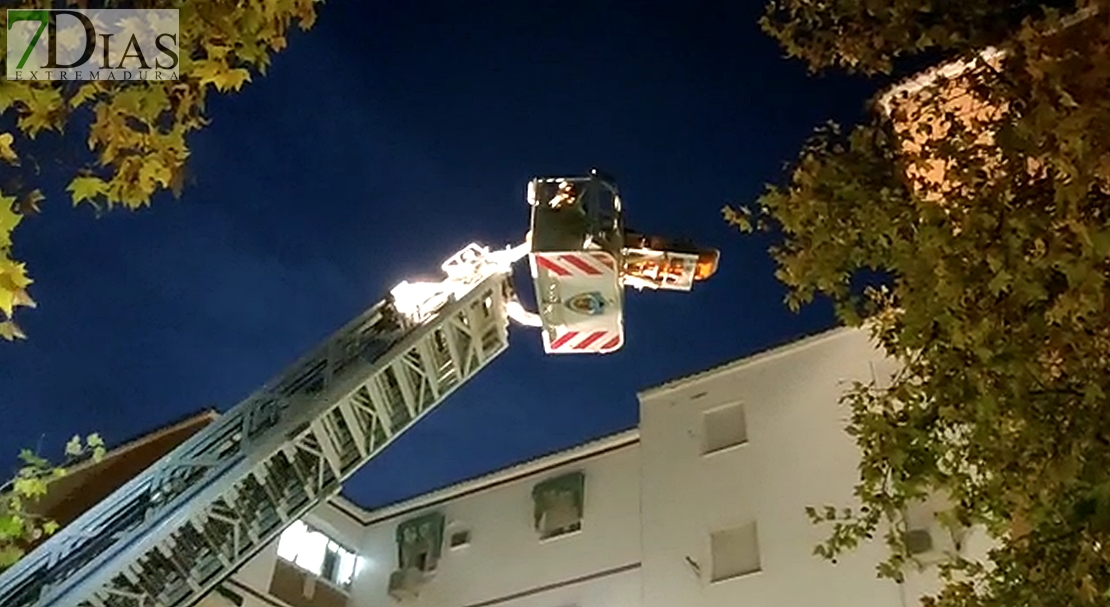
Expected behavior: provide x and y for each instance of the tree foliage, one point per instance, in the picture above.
(869, 36)
(21, 525)
(969, 229)
(136, 132)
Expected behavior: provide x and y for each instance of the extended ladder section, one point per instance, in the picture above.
(170, 535)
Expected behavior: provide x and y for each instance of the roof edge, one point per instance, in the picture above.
(951, 69)
(210, 414)
(759, 357)
(370, 516)
(929, 76)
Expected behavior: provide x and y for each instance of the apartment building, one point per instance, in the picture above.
(562, 528)
(702, 504)
(732, 457)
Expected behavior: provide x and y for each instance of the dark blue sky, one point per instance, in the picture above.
(382, 141)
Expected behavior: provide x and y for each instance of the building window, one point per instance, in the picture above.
(927, 538)
(559, 505)
(419, 542)
(735, 552)
(460, 539)
(317, 554)
(724, 427)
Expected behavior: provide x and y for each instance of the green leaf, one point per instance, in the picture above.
(29, 487)
(9, 555)
(86, 187)
(75, 447)
(11, 331)
(7, 154)
(31, 458)
(85, 93)
(11, 526)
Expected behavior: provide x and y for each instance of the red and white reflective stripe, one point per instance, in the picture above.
(581, 264)
(605, 259)
(586, 341)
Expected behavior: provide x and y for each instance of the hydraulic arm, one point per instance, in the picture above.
(171, 534)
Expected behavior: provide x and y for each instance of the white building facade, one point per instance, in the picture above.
(703, 505)
(732, 457)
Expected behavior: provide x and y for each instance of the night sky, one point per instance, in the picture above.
(382, 141)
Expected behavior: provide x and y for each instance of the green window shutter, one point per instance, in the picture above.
(420, 535)
(544, 494)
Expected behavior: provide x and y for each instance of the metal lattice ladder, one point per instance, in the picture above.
(170, 535)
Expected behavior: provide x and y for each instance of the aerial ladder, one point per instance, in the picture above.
(170, 535)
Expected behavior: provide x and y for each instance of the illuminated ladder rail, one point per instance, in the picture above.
(169, 536)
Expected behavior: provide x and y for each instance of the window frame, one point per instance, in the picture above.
(322, 572)
(742, 528)
(707, 448)
(572, 482)
(432, 526)
(465, 533)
